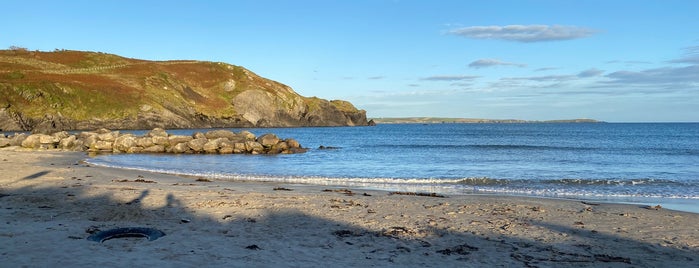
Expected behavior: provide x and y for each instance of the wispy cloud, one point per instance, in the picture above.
(524, 33)
(682, 76)
(482, 63)
(691, 56)
(545, 78)
(546, 69)
(450, 78)
(376, 77)
(590, 73)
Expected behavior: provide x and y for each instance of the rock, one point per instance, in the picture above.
(17, 139)
(212, 146)
(247, 135)
(161, 140)
(292, 143)
(154, 149)
(102, 131)
(60, 135)
(254, 147)
(220, 133)
(32, 141)
(109, 136)
(278, 148)
(69, 143)
(48, 139)
(124, 142)
(4, 142)
(144, 142)
(180, 148)
(239, 148)
(135, 150)
(175, 139)
(106, 146)
(157, 132)
(197, 145)
(89, 139)
(157, 142)
(199, 135)
(268, 140)
(226, 147)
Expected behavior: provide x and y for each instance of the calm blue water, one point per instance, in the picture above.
(638, 163)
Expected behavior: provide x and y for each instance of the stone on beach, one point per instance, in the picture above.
(156, 141)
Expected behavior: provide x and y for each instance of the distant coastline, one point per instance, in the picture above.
(440, 120)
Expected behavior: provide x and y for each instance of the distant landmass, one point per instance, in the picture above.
(76, 90)
(439, 120)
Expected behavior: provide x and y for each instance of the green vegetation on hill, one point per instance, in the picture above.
(76, 89)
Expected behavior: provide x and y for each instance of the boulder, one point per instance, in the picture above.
(254, 147)
(199, 135)
(60, 135)
(212, 146)
(144, 142)
(175, 139)
(161, 140)
(105, 146)
(68, 143)
(220, 133)
(32, 141)
(268, 140)
(124, 142)
(109, 136)
(157, 132)
(180, 148)
(278, 148)
(247, 135)
(292, 143)
(89, 139)
(197, 145)
(226, 147)
(134, 150)
(154, 149)
(17, 139)
(4, 142)
(239, 148)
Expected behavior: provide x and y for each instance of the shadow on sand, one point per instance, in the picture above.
(267, 237)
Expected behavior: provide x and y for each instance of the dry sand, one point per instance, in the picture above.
(50, 202)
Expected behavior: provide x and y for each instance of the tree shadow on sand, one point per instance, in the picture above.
(244, 234)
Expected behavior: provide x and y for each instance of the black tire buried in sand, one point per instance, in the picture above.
(149, 233)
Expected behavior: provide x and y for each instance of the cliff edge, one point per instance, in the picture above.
(71, 90)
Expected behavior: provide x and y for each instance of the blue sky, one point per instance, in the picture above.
(619, 61)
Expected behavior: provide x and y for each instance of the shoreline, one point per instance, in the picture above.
(50, 201)
(679, 204)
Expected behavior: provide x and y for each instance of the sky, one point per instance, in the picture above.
(616, 61)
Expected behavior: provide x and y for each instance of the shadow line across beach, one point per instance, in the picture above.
(217, 224)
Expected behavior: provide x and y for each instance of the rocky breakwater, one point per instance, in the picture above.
(157, 141)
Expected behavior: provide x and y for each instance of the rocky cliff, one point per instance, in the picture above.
(68, 90)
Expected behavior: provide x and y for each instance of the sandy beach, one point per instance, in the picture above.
(50, 203)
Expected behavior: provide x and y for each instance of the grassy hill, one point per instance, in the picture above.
(76, 89)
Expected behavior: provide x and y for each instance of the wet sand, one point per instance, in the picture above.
(50, 203)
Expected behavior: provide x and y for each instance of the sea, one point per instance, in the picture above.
(637, 163)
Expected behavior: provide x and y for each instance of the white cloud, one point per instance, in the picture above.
(482, 63)
(524, 33)
(450, 77)
(683, 76)
(590, 73)
(691, 56)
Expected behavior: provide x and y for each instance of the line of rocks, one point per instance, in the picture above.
(157, 141)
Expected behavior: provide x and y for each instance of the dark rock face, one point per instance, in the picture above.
(157, 141)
